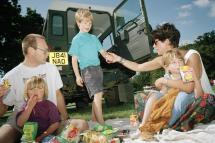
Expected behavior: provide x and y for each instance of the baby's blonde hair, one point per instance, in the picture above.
(35, 82)
(170, 55)
(82, 14)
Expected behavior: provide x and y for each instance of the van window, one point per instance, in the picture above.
(108, 42)
(127, 12)
(57, 25)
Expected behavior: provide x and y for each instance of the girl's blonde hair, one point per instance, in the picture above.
(82, 14)
(170, 55)
(35, 82)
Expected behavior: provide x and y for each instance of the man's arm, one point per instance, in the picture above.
(61, 105)
(3, 107)
(156, 63)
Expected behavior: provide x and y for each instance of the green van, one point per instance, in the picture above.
(122, 29)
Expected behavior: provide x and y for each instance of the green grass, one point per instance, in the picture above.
(109, 112)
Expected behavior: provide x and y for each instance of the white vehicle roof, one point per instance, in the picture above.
(63, 5)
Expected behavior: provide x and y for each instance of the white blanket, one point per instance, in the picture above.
(202, 133)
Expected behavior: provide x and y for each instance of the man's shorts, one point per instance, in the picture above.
(93, 79)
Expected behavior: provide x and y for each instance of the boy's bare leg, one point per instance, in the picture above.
(93, 113)
(148, 108)
(97, 107)
(8, 134)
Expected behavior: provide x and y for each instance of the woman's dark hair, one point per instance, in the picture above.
(167, 31)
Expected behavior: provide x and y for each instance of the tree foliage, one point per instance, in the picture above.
(205, 45)
(14, 27)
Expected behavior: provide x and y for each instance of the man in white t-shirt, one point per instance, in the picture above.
(35, 51)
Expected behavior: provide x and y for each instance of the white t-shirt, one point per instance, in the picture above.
(204, 78)
(21, 73)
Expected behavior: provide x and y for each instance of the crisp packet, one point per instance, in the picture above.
(29, 132)
(134, 120)
(186, 73)
(5, 83)
(70, 134)
(100, 128)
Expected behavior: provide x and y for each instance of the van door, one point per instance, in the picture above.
(131, 31)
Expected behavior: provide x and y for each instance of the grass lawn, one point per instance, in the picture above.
(117, 111)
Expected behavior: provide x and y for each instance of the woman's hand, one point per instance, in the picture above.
(112, 58)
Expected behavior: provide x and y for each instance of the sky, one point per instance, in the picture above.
(192, 17)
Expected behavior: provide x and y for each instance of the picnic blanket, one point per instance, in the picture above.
(202, 133)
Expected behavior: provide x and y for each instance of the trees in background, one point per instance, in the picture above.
(14, 27)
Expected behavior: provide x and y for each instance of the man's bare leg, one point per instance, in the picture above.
(8, 134)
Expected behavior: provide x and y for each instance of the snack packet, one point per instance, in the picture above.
(29, 132)
(101, 128)
(70, 134)
(5, 83)
(134, 120)
(186, 73)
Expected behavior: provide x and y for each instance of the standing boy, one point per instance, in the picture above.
(84, 50)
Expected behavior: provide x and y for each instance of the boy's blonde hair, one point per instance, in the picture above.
(82, 14)
(171, 55)
(35, 82)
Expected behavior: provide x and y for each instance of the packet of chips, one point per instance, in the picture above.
(29, 132)
(70, 134)
(186, 73)
(134, 120)
(100, 128)
(5, 83)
